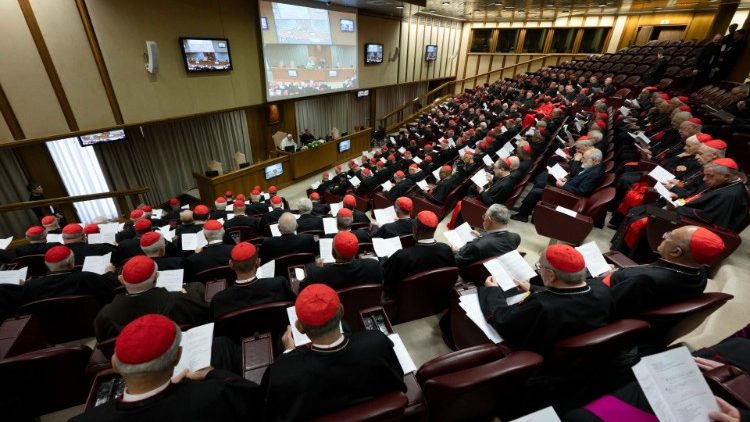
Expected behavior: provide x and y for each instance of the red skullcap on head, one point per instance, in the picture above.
(276, 200)
(243, 251)
(602, 124)
(201, 210)
(705, 246)
(91, 229)
(427, 219)
(255, 192)
(228, 193)
(326, 174)
(221, 200)
(240, 197)
(507, 162)
(149, 239)
(315, 196)
(317, 304)
(526, 148)
(683, 99)
(142, 225)
(338, 169)
(391, 157)
(238, 203)
(352, 163)
(57, 254)
(684, 108)
(146, 208)
(349, 200)
(664, 96)
(399, 174)
(447, 168)
(565, 258)
(35, 231)
(428, 158)
(404, 203)
(48, 219)
(725, 162)
(174, 201)
(384, 148)
(344, 212)
(346, 244)
(366, 172)
(72, 229)
(695, 120)
(145, 339)
(257, 187)
(483, 146)
(136, 214)
(651, 88)
(373, 161)
(138, 269)
(716, 144)
(380, 164)
(413, 166)
(427, 145)
(272, 189)
(703, 137)
(212, 225)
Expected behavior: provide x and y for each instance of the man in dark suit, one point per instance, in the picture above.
(318, 208)
(240, 219)
(402, 226)
(426, 255)
(448, 181)
(344, 220)
(502, 185)
(247, 289)
(214, 254)
(346, 271)
(155, 247)
(272, 217)
(307, 221)
(496, 239)
(132, 247)
(368, 184)
(188, 224)
(288, 242)
(350, 202)
(75, 239)
(582, 184)
(220, 209)
(400, 186)
(256, 207)
(37, 237)
(173, 213)
(143, 297)
(655, 73)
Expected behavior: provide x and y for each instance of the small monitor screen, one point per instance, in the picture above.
(263, 23)
(345, 145)
(363, 93)
(292, 73)
(332, 73)
(430, 53)
(274, 170)
(346, 25)
(373, 53)
(206, 55)
(102, 137)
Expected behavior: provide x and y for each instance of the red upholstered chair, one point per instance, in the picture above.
(35, 263)
(249, 321)
(44, 381)
(20, 335)
(475, 273)
(64, 318)
(472, 211)
(477, 383)
(463, 331)
(285, 261)
(241, 233)
(257, 355)
(380, 201)
(225, 273)
(387, 408)
(673, 321)
(424, 294)
(357, 298)
(730, 383)
(330, 198)
(517, 192)
(595, 206)
(407, 240)
(101, 377)
(557, 225)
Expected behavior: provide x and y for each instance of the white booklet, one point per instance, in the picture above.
(660, 174)
(487, 160)
(561, 153)
(267, 270)
(385, 215)
(275, 230)
(326, 250)
(566, 211)
(196, 348)
(54, 238)
(329, 225)
(404, 358)
(675, 387)
(109, 228)
(480, 178)
(156, 213)
(335, 207)
(460, 236)
(508, 268)
(97, 238)
(665, 193)
(171, 279)
(355, 181)
(470, 304)
(423, 185)
(595, 262)
(417, 160)
(557, 171)
(387, 186)
(386, 247)
(193, 241)
(96, 264)
(547, 414)
(299, 338)
(13, 276)
(5, 242)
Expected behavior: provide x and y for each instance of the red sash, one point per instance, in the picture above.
(635, 230)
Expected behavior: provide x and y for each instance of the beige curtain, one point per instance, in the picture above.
(393, 97)
(164, 156)
(321, 114)
(14, 190)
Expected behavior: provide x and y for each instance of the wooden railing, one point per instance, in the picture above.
(135, 195)
(425, 100)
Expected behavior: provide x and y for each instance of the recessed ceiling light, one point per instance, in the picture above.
(400, 7)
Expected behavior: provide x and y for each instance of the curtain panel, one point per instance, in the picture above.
(14, 190)
(321, 114)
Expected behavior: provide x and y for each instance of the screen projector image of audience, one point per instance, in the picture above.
(306, 52)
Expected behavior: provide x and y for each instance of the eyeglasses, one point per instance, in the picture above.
(538, 267)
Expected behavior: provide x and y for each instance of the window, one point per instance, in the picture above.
(507, 41)
(593, 40)
(82, 175)
(562, 40)
(480, 40)
(534, 41)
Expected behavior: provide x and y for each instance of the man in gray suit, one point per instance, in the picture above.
(496, 240)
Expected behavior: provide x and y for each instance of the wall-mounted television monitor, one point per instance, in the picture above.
(346, 25)
(292, 73)
(363, 93)
(263, 23)
(102, 137)
(274, 170)
(373, 53)
(430, 53)
(206, 54)
(332, 73)
(345, 145)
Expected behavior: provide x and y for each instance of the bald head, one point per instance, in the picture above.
(287, 223)
(675, 246)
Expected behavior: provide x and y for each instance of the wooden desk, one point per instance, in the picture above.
(242, 180)
(281, 74)
(305, 163)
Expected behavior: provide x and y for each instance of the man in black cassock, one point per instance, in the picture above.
(346, 271)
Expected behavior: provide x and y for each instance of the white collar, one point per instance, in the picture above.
(127, 397)
(332, 345)
(496, 231)
(214, 242)
(426, 241)
(246, 281)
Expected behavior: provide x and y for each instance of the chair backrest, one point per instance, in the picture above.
(356, 226)
(475, 388)
(425, 294)
(475, 273)
(64, 318)
(35, 263)
(213, 274)
(596, 204)
(357, 298)
(596, 345)
(285, 261)
(386, 408)
(241, 233)
(246, 322)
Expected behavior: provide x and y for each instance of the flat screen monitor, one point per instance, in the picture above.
(346, 25)
(263, 23)
(345, 145)
(292, 73)
(206, 54)
(430, 53)
(363, 93)
(332, 73)
(274, 170)
(102, 137)
(373, 53)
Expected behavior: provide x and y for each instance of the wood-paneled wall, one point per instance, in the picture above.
(697, 23)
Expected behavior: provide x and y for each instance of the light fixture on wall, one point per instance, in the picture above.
(453, 56)
(393, 57)
(152, 57)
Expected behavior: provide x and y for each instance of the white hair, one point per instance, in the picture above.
(160, 364)
(287, 223)
(304, 205)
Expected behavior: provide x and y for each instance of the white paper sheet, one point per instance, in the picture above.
(13, 276)
(643, 138)
(547, 414)
(171, 279)
(229, 208)
(386, 247)
(98, 238)
(480, 178)
(275, 230)
(385, 215)
(503, 154)
(557, 171)
(299, 273)
(460, 236)
(578, 126)
(470, 305)
(417, 160)
(299, 338)
(665, 193)
(387, 185)
(566, 211)
(230, 216)
(504, 280)
(156, 213)
(487, 160)
(516, 266)
(401, 150)
(96, 264)
(193, 241)
(196, 348)
(561, 153)
(315, 185)
(185, 207)
(530, 132)
(625, 111)
(423, 185)
(335, 207)
(404, 358)
(355, 181)
(329, 225)
(503, 129)
(326, 250)
(436, 174)
(512, 300)
(5, 242)
(393, 140)
(54, 238)
(168, 235)
(660, 174)
(109, 228)
(675, 387)
(595, 262)
(267, 270)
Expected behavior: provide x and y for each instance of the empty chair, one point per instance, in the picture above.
(241, 233)
(472, 211)
(357, 298)
(628, 68)
(424, 294)
(557, 225)
(213, 274)
(290, 260)
(641, 69)
(35, 263)
(64, 318)
(247, 322)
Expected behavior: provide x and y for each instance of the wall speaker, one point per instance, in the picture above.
(152, 57)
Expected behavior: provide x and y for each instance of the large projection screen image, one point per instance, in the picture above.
(307, 51)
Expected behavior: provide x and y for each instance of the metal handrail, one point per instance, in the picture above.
(135, 195)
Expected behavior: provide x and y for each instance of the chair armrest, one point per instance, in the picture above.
(688, 306)
(730, 383)
(619, 259)
(563, 198)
